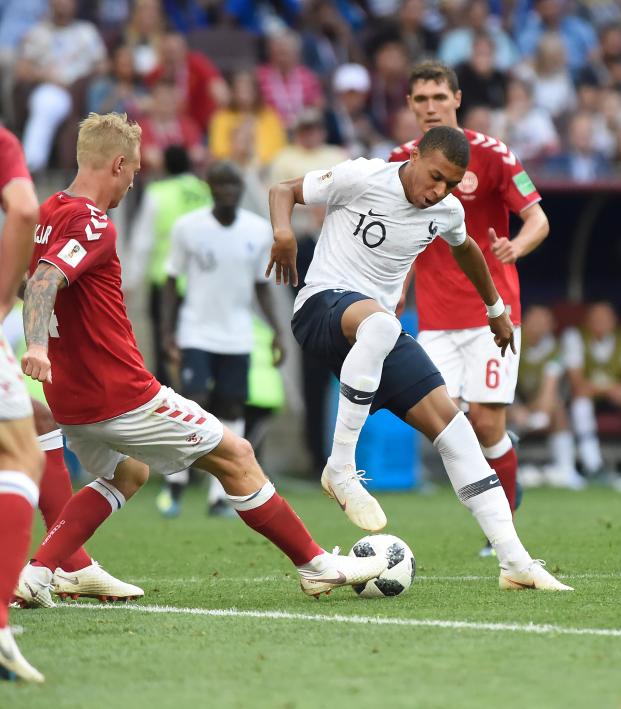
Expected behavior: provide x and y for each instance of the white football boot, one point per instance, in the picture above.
(328, 571)
(533, 576)
(34, 588)
(361, 507)
(93, 582)
(13, 665)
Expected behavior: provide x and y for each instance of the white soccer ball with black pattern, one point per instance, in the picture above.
(398, 577)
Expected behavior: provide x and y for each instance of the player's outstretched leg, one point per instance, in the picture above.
(79, 519)
(256, 501)
(19, 495)
(479, 489)
(78, 575)
(375, 336)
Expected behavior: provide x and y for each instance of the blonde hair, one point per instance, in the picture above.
(102, 137)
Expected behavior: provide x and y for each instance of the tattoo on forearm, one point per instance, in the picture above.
(39, 300)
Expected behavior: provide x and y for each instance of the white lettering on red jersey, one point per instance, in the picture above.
(97, 370)
(494, 184)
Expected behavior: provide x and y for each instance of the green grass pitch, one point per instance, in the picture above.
(293, 652)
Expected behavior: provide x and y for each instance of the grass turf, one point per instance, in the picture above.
(98, 658)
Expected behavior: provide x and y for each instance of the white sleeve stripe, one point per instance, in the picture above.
(530, 204)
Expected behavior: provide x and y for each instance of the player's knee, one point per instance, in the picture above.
(44, 421)
(380, 331)
(243, 452)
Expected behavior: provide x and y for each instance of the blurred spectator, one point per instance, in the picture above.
(539, 407)
(579, 37)
(580, 162)
(16, 18)
(201, 86)
(348, 119)
(121, 90)
(611, 113)
(189, 15)
(309, 150)
(285, 83)
(604, 108)
(144, 34)
(263, 16)
(480, 82)
(55, 54)
(478, 118)
(549, 74)
(246, 106)
(163, 202)
(607, 63)
(456, 45)
(527, 129)
(389, 84)
(165, 124)
(255, 194)
(110, 17)
(592, 356)
(404, 129)
(409, 27)
(327, 40)
(600, 12)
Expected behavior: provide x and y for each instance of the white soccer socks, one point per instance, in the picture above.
(585, 426)
(478, 487)
(360, 377)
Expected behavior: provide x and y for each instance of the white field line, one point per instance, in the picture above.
(210, 577)
(530, 628)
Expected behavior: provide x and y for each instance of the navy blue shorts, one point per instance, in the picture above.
(408, 374)
(221, 376)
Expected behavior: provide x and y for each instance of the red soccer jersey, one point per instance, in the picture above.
(494, 184)
(12, 162)
(97, 370)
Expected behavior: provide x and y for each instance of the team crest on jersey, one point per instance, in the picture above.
(469, 183)
(72, 253)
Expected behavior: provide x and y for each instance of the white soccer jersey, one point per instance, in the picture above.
(222, 265)
(371, 234)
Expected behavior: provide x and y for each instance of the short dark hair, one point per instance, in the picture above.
(224, 170)
(451, 142)
(432, 70)
(176, 160)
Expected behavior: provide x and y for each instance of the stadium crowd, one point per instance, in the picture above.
(282, 87)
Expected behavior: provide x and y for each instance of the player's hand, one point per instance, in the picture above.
(503, 249)
(278, 351)
(503, 333)
(36, 364)
(283, 257)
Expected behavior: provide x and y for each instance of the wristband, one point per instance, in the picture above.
(496, 310)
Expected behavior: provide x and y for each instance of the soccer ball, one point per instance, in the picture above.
(401, 569)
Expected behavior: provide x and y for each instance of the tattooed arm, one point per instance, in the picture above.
(39, 300)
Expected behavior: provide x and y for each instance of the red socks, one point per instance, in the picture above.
(78, 520)
(55, 491)
(506, 468)
(277, 521)
(17, 495)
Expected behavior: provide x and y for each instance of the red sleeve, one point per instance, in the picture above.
(518, 189)
(86, 243)
(398, 155)
(12, 161)
(203, 66)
